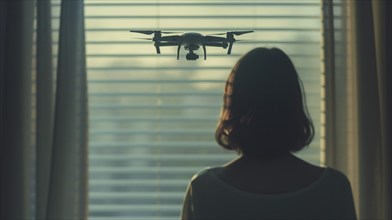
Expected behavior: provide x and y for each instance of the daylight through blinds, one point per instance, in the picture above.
(152, 117)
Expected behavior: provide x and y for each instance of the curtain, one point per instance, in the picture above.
(61, 112)
(16, 62)
(45, 106)
(67, 186)
(359, 100)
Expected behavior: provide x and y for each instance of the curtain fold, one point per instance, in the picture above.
(383, 34)
(359, 102)
(16, 111)
(369, 30)
(67, 196)
(341, 151)
(369, 123)
(44, 117)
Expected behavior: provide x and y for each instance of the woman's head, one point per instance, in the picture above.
(264, 113)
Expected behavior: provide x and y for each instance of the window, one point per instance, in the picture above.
(152, 118)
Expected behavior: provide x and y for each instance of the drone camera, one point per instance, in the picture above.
(192, 56)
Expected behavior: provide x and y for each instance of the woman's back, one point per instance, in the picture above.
(262, 193)
(281, 175)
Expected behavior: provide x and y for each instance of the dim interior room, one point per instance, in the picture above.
(96, 125)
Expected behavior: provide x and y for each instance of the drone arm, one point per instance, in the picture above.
(216, 44)
(205, 52)
(163, 44)
(175, 38)
(214, 39)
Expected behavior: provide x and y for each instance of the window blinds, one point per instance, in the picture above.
(152, 118)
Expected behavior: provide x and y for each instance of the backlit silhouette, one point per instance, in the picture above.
(265, 119)
(192, 41)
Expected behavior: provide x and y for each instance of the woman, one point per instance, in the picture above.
(265, 120)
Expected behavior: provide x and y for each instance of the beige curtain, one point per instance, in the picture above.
(61, 112)
(359, 100)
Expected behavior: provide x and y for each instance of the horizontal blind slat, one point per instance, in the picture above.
(200, 17)
(152, 127)
(206, 4)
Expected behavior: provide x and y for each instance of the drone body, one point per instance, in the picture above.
(192, 41)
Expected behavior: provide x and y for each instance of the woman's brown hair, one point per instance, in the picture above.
(264, 111)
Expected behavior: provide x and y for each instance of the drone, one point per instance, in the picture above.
(191, 41)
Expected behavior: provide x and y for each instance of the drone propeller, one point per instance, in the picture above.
(157, 37)
(143, 38)
(143, 32)
(152, 32)
(237, 33)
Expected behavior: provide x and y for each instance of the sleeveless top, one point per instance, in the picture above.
(329, 197)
